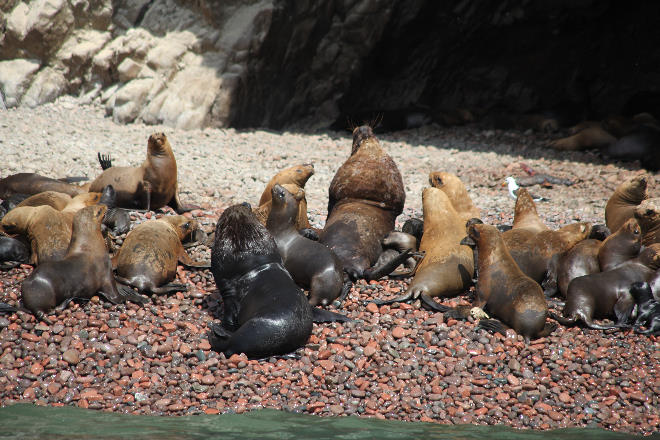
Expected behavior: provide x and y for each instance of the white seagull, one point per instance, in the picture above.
(513, 190)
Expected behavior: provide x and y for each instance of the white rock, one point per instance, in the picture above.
(129, 99)
(46, 87)
(15, 77)
(128, 70)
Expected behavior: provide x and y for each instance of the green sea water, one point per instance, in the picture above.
(26, 421)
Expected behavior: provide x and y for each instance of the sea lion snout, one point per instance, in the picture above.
(278, 192)
(247, 205)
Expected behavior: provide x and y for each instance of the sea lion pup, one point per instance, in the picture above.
(607, 294)
(648, 309)
(414, 227)
(590, 137)
(447, 266)
(84, 270)
(503, 290)
(394, 244)
(647, 214)
(311, 264)
(32, 183)
(365, 197)
(451, 185)
(148, 257)
(293, 179)
(116, 219)
(265, 313)
(622, 203)
(47, 230)
(593, 256)
(150, 186)
(12, 253)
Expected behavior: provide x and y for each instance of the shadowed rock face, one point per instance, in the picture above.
(276, 63)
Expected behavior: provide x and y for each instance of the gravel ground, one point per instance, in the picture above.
(396, 362)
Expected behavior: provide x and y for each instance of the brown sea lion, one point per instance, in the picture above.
(593, 256)
(503, 290)
(622, 203)
(84, 270)
(265, 313)
(647, 214)
(301, 221)
(293, 179)
(54, 199)
(365, 197)
(311, 264)
(150, 186)
(525, 215)
(607, 294)
(447, 266)
(147, 259)
(32, 183)
(46, 229)
(451, 185)
(590, 137)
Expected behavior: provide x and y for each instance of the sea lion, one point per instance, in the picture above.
(607, 294)
(12, 253)
(117, 219)
(147, 259)
(84, 270)
(365, 197)
(647, 214)
(265, 313)
(301, 222)
(590, 137)
(447, 266)
(648, 310)
(451, 185)
(54, 199)
(414, 227)
(47, 230)
(503, 290)
(592, 256)
(150, 186)
(396, 243)
(622, 203)
(640, 144)
(32, 183)
(311, 264)
(293, 179)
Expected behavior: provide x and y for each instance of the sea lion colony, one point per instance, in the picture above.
(358, 241)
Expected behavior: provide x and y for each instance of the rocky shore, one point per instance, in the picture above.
(395, 362)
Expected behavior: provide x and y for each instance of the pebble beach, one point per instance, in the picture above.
(394, 362)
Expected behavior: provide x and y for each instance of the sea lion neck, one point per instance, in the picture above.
(283, 213)
(86, 233)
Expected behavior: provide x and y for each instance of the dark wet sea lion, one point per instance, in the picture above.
(447, 266)
(394, 244)
(622, 203)
(647, 214)
(32, 183)
(117, 219)
(451, 185)
(148, 258)
(593, 256)
(607, 294)
(301, 222)
(265, 313)
(414, 227)
(311, 264)
(84, 270)
(47, 230)
(12, 252)
(648, 309)
(365, 197)
(503, 290)
(150, 186)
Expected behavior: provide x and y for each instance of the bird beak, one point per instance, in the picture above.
(504, 183)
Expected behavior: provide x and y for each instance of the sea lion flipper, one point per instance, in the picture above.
(6, 308)
(41, 316)
(187, 261)
(104, 160)
(321, 315)
(169, 288)
(387, 267)
(219, 337)
(6, 265)
(492, 325)
(430, 304)
(129, 294)
(401, 298)
(309, 233)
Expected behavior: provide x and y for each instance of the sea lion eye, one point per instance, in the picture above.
(636, 231)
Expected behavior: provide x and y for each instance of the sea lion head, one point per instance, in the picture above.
(300, 174)
(158, 145)
(647, 212)
(634, 189)
(185, 227)
(17, 220)
(361, 134)
(108, 196)
(239, 234)
(90, 215)
(285, 203)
